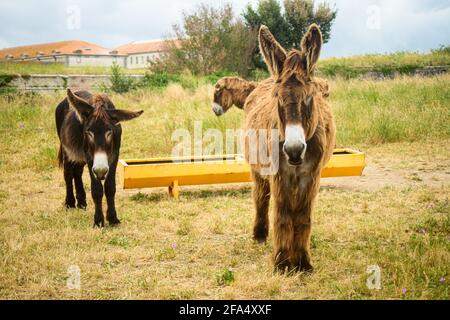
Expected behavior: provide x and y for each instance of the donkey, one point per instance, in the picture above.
(305, 134)
(90, 133)
(230, 91)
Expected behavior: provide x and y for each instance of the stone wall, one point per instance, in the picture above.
(49, 82)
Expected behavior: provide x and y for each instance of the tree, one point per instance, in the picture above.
(290, 25)
(300, 14)
(268, 12)
(209, 40)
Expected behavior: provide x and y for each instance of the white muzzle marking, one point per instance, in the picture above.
(218, 109)
(295, 136)
(100, 166)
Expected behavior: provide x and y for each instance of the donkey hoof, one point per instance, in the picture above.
(114, 222)
(70, 205)
(306, 268)
(99, 224)
(260, 239)
(283, 268)
(82, 206)
(260, 234)
(282, 264)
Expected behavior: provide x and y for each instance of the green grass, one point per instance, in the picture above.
(184, 249)
(27, 68)
(406, 109)
(401, 62)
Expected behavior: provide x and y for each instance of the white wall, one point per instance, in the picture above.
(133, 61)
(140, 60)
(94, 61)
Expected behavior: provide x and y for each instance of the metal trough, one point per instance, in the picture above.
(175, 172)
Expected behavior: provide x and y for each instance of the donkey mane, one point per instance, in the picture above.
(238, 83)
(294, 66)
(241, 88)
(101, 103)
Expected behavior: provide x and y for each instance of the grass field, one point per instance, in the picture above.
(387, 64)
(397, 216)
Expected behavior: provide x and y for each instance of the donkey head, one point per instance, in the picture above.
(101, 130)
(223, 97)
(294, 90)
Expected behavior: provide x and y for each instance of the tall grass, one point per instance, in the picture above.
(406, 109)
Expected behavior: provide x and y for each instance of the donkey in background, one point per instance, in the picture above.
(292, 103)
(230, 91)
(90, 133)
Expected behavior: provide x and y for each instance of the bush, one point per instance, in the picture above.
(209, 40)
(159, 80)
(120, 83)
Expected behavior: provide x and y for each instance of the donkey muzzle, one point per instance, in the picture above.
(295, 153)
(100, 167)
(217, 109)
(295, 144)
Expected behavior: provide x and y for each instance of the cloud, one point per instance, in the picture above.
(417, 25)
(380, 26)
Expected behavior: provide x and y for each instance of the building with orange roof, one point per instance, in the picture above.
(140, 53)
(79, 53)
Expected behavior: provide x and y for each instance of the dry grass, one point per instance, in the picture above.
(168, 249)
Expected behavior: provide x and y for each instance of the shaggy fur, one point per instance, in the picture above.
(291, 95)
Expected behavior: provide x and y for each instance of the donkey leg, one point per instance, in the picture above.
(261, 199)
(301, 254)
(68, 178)
(97, 196)
(79, 187)
(110, 192)
(283, 237)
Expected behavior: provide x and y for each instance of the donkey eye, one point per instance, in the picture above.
(90, 134)
(108, 134)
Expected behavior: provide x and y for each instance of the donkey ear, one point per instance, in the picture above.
(81, 106)
(123, 115)
(273, 53)
(311, 46)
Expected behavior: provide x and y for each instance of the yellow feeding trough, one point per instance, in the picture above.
(175, 172)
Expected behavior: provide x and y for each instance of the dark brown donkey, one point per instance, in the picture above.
(292, 103)
(90, 133)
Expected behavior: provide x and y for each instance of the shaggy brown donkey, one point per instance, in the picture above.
(230, 91)
(292, 103)
(90, 133)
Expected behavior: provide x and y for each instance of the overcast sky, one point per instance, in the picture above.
(363, 26)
